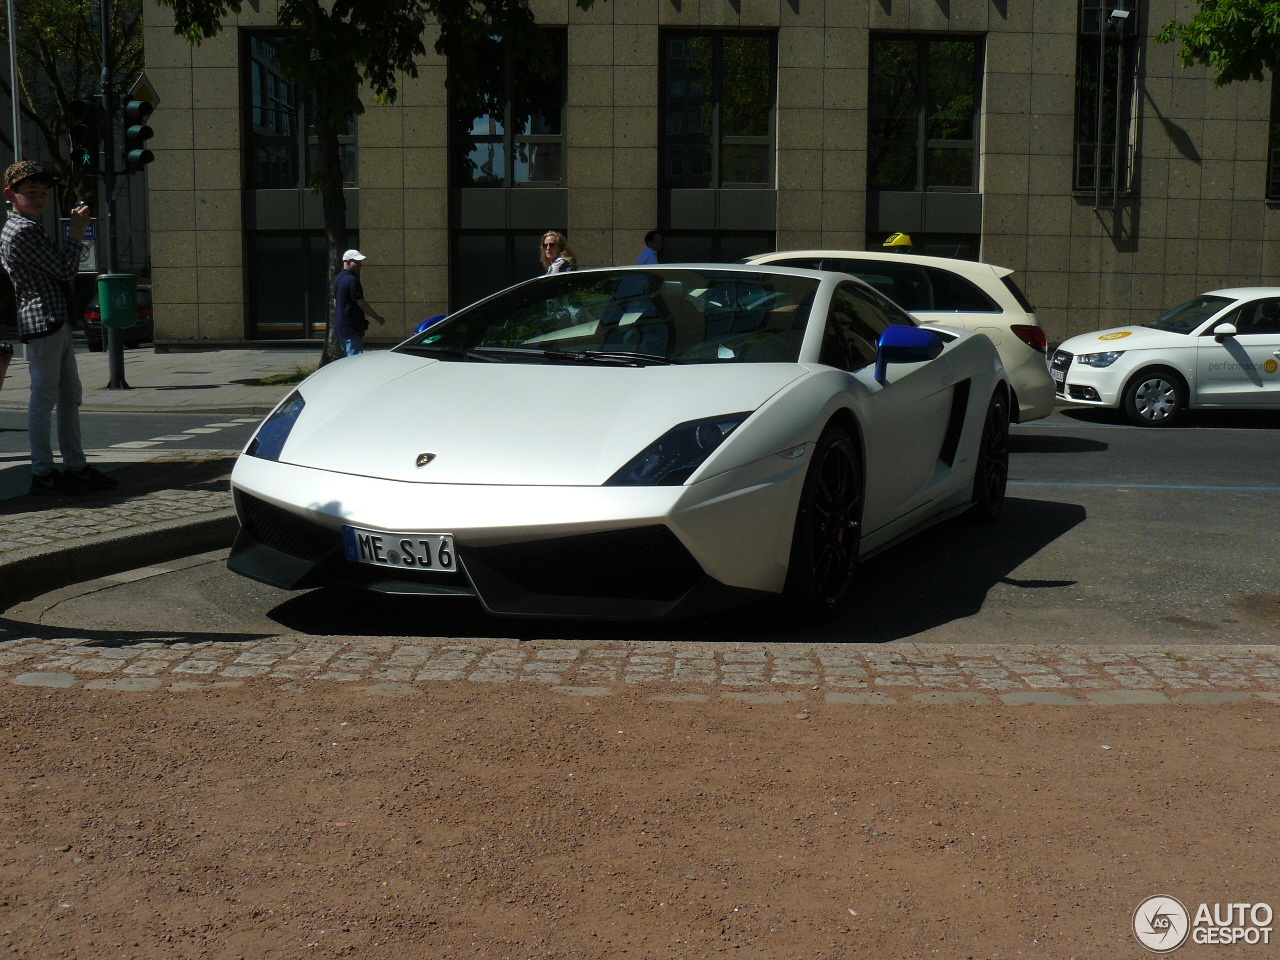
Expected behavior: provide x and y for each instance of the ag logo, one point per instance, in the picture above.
(1271, 365)
(1161, 924)
(1118, 335)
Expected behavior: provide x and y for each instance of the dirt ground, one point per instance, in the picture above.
(285, 820)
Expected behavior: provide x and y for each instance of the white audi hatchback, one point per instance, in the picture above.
(956, 293)
(1218, 350)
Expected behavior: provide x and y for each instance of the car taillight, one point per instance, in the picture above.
(1033, 337)
(92, 314)
(144, 313)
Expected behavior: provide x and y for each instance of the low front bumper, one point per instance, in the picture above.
(626, 553)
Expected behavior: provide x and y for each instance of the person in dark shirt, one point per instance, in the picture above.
(351, 312)
(42, 275)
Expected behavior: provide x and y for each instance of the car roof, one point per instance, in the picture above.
(1243, 293)
(719, 267)
(974, 268)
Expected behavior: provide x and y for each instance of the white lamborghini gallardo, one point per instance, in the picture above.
(629, 443)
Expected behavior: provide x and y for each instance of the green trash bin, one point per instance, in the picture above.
(118, 299)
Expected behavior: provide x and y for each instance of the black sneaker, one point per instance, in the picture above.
(55, 483)
(93, 478)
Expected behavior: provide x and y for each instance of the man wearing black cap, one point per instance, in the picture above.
(41, 275)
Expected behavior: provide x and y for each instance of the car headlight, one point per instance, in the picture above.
(1099, 359)
(269, 440)
(671, 459)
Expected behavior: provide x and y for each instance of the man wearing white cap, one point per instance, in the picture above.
(351, 312)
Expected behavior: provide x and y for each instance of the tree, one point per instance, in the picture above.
(60, 60)
(1238, 39)
(338, 47)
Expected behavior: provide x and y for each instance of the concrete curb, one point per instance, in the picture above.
(28, 573)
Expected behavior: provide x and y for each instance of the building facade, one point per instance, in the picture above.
(1053, 137)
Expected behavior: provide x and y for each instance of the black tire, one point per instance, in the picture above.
(828, 530)
(1155, 398)
(991, 474)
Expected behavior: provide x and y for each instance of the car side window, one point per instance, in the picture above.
(853, 329)
(903, 283)
(1260, 316)
(953, 292)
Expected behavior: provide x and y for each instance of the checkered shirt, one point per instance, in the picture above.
(41, 275)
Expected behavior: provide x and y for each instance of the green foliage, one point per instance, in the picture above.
(60, 60)
(342, 48)
(349, 44)
(297, 375)
(1237, 39)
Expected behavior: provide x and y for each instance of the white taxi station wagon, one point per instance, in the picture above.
(1218, 350)
(959, 293)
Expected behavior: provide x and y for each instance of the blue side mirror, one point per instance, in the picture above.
(430, 321)
(903, 344)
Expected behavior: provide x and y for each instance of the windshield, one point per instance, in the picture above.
(658, 315)
(1186, 317)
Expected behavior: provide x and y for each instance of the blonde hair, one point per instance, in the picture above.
(565, 250)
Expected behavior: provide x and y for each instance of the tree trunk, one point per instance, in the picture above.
(335, 219)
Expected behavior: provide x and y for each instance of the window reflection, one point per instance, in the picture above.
(509, 130)
(717, 105)
(923, 123)
(283, 149)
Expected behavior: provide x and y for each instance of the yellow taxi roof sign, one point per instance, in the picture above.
(898, 240)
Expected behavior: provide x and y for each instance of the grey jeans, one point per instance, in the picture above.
(55, 381)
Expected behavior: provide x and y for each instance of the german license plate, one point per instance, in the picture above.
(1059, 376)
(409, 551)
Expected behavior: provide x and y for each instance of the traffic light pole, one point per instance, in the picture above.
(115, 342)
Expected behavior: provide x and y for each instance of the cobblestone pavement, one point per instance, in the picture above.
(66, 523)
(920, 673)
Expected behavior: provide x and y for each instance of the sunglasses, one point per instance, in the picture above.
(551, 243)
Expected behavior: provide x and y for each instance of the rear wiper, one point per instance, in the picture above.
(578, 356)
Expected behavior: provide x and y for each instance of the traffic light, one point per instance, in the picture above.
(84, 136)
(136, 135)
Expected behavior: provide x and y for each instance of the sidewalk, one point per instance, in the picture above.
(167, 505)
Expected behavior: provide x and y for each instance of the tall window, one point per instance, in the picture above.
(717, 125)
(1106, 81)
(281, 128)
(925, 94)
(507, 129)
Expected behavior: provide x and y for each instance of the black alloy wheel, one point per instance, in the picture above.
(991, 475)
(824, 547)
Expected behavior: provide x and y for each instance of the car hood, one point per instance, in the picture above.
(507, 423)
(1123, 338)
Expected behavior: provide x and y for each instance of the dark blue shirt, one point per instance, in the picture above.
(348, 319)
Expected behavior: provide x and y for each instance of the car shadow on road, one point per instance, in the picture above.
(933, 579)
(1047, 443)
(1189, 419)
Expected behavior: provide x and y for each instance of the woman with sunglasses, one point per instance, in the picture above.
(556, 255)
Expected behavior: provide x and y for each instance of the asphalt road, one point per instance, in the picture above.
(139, 431)
(1111, 533)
